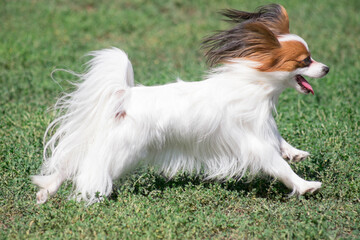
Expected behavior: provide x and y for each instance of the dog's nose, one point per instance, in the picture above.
(326, 69)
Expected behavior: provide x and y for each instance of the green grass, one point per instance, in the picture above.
(162, 39)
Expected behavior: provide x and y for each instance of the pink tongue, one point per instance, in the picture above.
(305, 84)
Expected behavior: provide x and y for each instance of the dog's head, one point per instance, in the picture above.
(263, 37)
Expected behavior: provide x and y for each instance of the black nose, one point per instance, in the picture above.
(326, 70)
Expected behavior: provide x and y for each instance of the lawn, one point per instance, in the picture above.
(163, 39)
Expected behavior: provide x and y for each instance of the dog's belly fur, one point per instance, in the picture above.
(191, 131)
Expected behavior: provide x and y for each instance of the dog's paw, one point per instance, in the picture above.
(42, 196)
(294, 155)
(310, 187)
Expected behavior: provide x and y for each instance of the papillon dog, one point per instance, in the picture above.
(220, 127)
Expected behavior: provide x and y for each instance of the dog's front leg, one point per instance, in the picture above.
(281, 170)
(290, 153)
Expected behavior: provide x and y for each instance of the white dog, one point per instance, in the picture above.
(221, 126)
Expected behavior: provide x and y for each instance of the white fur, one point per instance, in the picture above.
(315, 70)
(221, 126)
(293, 37)
(290, 153)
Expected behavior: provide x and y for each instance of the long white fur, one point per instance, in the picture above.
(221, 126)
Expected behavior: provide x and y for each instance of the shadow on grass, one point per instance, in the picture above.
(145, 183)
(148, 182)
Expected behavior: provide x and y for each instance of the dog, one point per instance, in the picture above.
(220, 127)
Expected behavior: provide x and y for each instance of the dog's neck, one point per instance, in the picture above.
(249, 94)
(243, 79)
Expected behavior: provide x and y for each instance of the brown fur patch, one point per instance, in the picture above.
(287, 58)
(255, 35)
(250, 39)
(120, 115)
(255, 38)
(273, 16)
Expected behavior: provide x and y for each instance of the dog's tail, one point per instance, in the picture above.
(74, 141)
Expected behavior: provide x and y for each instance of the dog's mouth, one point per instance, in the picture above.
(305, 85)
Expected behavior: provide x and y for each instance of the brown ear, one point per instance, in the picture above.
(249, 39)
(273, 16)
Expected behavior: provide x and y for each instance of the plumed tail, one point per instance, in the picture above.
(110, 67)
(86, 115)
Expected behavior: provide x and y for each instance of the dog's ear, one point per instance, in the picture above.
(258, 40)
(273, 16)
(251, 40)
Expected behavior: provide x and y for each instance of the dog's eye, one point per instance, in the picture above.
(307, 61)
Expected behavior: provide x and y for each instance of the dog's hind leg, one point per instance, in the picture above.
(110, 157)
(48, 185)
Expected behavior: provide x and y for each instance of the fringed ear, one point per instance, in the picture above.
(252, 40)
(273, 16)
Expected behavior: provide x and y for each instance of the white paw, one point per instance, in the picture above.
(310, 187)
(42, 196)
(293, 154)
